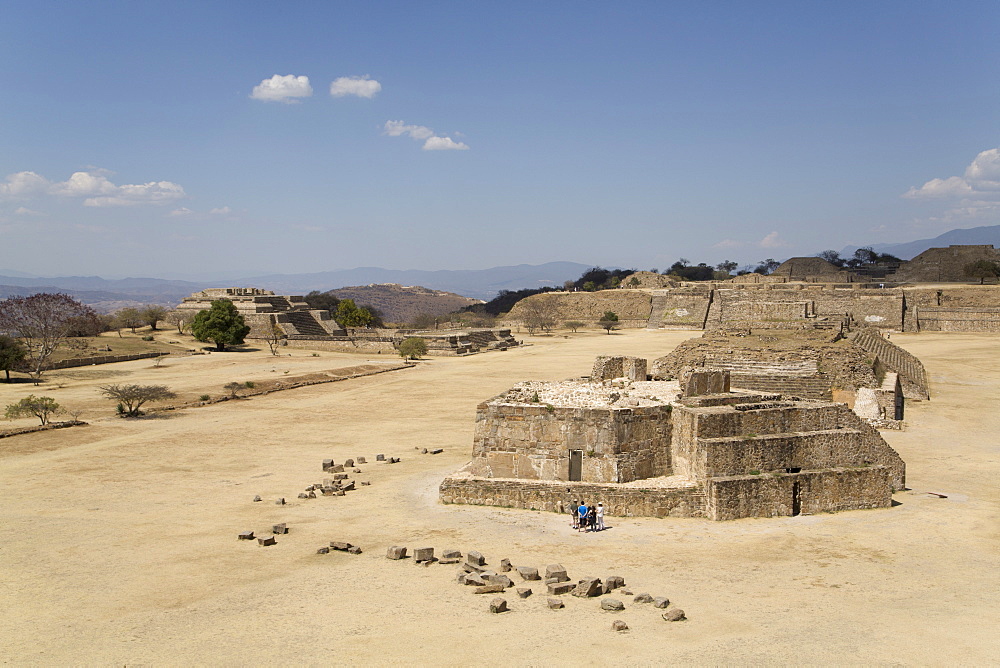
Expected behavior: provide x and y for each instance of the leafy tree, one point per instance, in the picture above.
(151, 314)
(727, 266)
(634, 282)
(41, 407)
(765, 267)
(233, 388)
(221, 324)
(575, 324)
(42, 321)
(833, 257)
(131, 397)
(423, 321)
(609, 321)
(351, 315)
(12, 353)
(128, 317)
(589, 286)
(324, 301)
(412, 348)
(982, 269)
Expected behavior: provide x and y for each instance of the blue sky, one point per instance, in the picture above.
(473, 134)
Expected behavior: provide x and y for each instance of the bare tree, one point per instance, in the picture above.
(178, 319)
(273, 336)
(128, 317)
(42, 322)
(540, 313)
(131, 397)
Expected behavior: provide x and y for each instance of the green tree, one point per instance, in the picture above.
(351, 315)
(222, 324)
(131, 397)
(412, 348)
(151, 314)
(12, 353)
(982, 269)
(575, 324)
(727, 266)
(609, 321)
(41, 407)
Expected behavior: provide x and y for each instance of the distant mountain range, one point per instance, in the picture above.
(110, 294)
(973, 236)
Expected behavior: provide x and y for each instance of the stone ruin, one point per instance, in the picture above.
(302, 326)
(651, 448)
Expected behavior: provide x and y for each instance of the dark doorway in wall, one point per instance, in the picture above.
(796, 502)
(575, 465)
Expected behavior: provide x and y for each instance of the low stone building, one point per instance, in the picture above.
(652, 448)
(263, 310)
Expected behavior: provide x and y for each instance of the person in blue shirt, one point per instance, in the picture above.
(582, 512)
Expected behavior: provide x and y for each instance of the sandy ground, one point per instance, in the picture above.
(118, 540)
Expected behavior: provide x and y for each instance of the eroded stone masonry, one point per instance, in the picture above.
(691, 447)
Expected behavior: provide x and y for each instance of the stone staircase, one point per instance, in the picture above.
(794, 378)
(304, 324)
(658, 306)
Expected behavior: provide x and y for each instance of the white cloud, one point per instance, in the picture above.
(432, 142)
(23, 184)
(398, 128)
(154, 192)
(444, 144)
(221, 211)
(359, 86)
(980, 182)
(772, 240)
(282, 89)
(25, 211)
(729, 243)
(181, 212)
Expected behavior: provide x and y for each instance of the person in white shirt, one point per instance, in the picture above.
(600, 517)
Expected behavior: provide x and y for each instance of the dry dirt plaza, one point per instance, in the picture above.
(118, 539)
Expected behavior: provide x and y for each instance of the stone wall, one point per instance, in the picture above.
(680, 308)
(806, 492)
(957, 319)
(534, 442)
(619, 366)
(936, 265)
(100, 359)
(559, 497)
(631, 306)
(912, 375)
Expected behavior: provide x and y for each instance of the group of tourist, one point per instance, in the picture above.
(587, 518)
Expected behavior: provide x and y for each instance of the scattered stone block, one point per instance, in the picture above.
(327, 463)
(489, 589)
(354, 549)
(675, 615)
(449, 561)
(279, 528)
(559, 588)
(660, 601)
(556, 571)
(555, 604)
(498, 605)
(528, 573)
(349, 464)
(475, 579)
(340, 545)
(642, 598)
(303, 495)
(257, 498)
(380, 458)
(612, 604)
(501, 580)
(475, 559)
(349, 487)
(280, 501)
(451, 554)
(423, 553)
(340, 492)
(436, 451)
(365, 483)
(356, 470)
(523, 592)
(311, 495)
(361, 460)
(424, 451)
(626, 592)
(430, 561)
(323, 550)
(614, 582)
(245, 535)
(329, 491)
(505, 565)
(619, 625)
(469, 568)
(339, 468)
(266, 540)
(396, 552)
(588, 587)
(340, 476)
